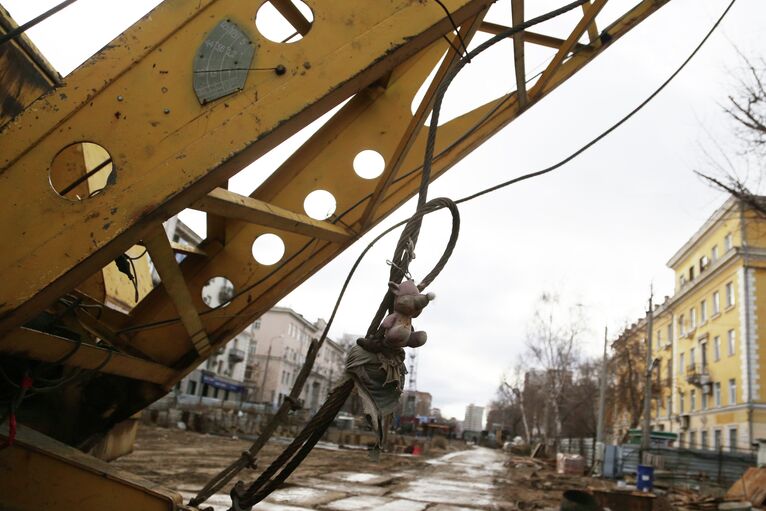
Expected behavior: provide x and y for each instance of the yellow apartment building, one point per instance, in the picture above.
(708, 361)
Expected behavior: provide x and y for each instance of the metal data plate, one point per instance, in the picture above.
(222, 62)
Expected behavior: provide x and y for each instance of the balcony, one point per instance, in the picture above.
(698, 375)
(236, 355)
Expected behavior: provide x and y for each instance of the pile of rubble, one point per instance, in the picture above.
(688, 500)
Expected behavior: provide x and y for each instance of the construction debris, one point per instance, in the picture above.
(751, 487)
(571, 464)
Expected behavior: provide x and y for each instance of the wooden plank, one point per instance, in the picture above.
(567, 47)
(173, 280)
(466, 33)
(517, 15)
(232, 205)
(36, 345)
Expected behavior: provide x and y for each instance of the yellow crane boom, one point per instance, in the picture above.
(169, 111)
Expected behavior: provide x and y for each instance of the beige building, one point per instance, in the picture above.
(277, 347)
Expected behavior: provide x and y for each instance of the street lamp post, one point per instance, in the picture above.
(266, 367)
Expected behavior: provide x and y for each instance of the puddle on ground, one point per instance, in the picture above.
(303, 497)
(369, 503)
(359, 477)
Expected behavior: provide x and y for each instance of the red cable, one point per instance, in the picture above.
(26, 384)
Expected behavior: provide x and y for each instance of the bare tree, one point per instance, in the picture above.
(515, 385)
(553, 347)
(629, 361)
(747, 109)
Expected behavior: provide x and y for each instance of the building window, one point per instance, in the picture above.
(717, 439)
(692, 400)
(704, 401)
(732, 439)
(692, 439)
(714, 253)
(732, 391)
(692, 318)
(703, 440)
(717, 348)
(727, 242)
(681, 366)
(257, 324)
(716, 303)
(691, 273)
(717, 393)
(670, 332)
(681, 326)
(681, 407)
(703, 355)
(729, 294)
(670, 403)
(704, 263)
(730, 341)
(191, 388)
(703, 311)
(692, 358)
(659, 338)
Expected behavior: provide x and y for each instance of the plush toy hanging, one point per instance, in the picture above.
(397, 328)
(376, 364)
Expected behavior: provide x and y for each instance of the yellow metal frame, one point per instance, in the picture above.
(39, 473)
(170, 152)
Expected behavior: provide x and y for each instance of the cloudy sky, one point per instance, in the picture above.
(598, 231)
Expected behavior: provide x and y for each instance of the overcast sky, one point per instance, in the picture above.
(598, 231)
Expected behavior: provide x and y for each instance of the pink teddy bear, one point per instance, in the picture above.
(409, 302)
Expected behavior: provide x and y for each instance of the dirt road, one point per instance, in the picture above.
(330, 479)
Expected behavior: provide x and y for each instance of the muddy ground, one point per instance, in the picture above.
(459, 478)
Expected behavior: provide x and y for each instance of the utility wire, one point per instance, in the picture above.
(13, 34)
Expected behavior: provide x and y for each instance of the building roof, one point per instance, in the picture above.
(296, 315)
(306, 322)
(702, 231)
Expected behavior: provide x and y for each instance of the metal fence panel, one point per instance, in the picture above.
(683, 465)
